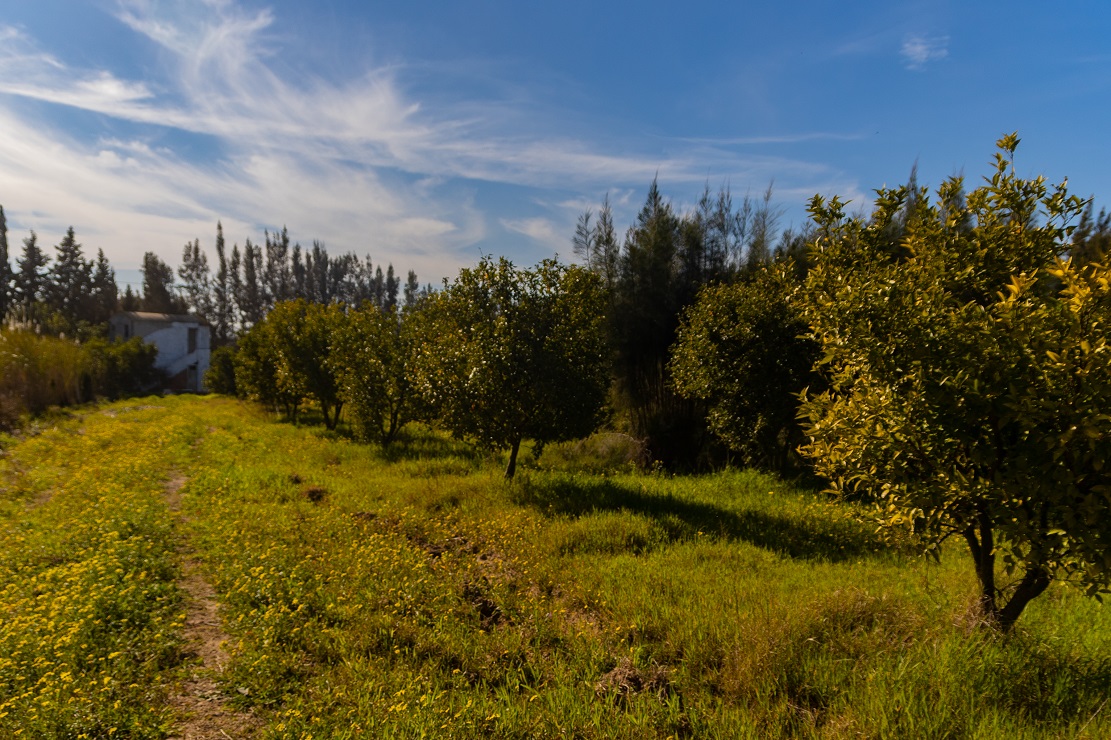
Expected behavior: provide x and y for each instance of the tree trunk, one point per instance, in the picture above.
(1035, 581)
(511, 468)
(982, 545)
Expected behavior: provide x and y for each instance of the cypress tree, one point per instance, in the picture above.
(298, 272)
(412, 290)
(235, 285)
(251, 300)
(6, 273)
(221, 291)
(393, 283)
(277, 279)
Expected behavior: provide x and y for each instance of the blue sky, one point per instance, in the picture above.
(428, 133)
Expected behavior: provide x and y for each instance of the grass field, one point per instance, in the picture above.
(413, 593)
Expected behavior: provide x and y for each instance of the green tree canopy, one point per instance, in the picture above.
(970, 378)
(741, 350)
(509, 354)
(69, 285)
(158, 286)
(301, 336)
(372, 358)
(30, 279)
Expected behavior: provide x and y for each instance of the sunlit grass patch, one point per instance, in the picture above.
(89, 615)
(411, 591)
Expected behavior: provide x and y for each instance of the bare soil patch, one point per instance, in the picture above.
(199, 701)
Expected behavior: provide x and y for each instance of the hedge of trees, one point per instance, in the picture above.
(38, 372)
(500, 355)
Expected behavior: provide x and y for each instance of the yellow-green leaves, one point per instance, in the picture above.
(970, 376)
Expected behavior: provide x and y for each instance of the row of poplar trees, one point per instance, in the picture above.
(245, 285)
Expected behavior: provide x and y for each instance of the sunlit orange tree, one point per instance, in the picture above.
(371, 356)
(507, 354)
(970, 378)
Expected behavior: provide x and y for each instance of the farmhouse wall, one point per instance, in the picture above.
(183, 342)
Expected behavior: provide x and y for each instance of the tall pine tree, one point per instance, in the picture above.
(105, 292)
(277, 277)
(30, 280)
(221, 292)
(158, 286)
(6, 274)
(70, 285)
(195, 280)
(251, 299)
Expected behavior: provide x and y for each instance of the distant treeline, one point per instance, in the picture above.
(651, 276)
(54, 311)
(73, 296)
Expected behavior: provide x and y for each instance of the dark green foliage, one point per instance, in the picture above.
(508, 354)
(158, 286)
(302, 335)
(970, 378)
(105, 292)
(223, 297)
(6, 274)
(249, 296)
(1091, 241)
(118, 369)
(30, 280)
(412, 290)
(129, 301)
(195, 281)
(742, 352)
(665, 260)
(644, 317)
(69, 286)
(39, 371)
(220, 377)
(256, 372)
(277, 276)
(283, 359)
(372, 357)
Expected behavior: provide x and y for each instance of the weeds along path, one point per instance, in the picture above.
(90, 610)
(200, 703)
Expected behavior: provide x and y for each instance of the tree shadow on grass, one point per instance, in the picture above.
(814, 539)
(414, 441)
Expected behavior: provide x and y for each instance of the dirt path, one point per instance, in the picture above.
(199, 702)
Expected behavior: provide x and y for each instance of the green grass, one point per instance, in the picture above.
(411, 592)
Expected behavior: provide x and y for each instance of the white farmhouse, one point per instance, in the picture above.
(183, 343)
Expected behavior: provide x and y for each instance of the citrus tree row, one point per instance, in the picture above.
(947, 360)
(501, 355)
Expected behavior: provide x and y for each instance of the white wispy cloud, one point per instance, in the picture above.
(918, 50)
(541, 229)
(360, 162)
